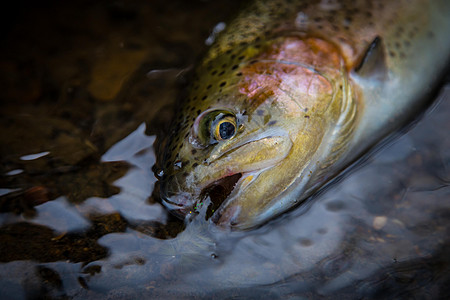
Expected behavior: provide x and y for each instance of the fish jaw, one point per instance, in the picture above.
(264, 193)
(234, 166)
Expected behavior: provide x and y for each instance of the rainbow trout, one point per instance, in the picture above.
(291, 93)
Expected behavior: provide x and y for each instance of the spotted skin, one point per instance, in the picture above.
(311, 85)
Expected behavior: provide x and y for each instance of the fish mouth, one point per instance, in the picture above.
(214, 188)
(273, 147)
(218, 192)
(215, 195)
(184, 203)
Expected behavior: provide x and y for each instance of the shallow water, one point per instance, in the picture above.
(79, 113)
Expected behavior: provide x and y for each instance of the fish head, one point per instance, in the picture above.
(252, 130)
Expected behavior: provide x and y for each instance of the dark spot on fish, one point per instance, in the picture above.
(186, 135)
(222, 84)
(317, 19)
(306, 116)
(273, 122)
(391, 54)
(209, 86)
(194, 165)
(228, 51)
(214, 72)
(193, 151)
(221, 73)
(341, 39)
(239, 74)
(199, 111)
(185, 174)
(241, 57)
(330, 16)
(204, 97)
(234, 67)
(224, 66)
(260, 112)
(233, 56)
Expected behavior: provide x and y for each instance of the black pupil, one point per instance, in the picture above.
(226, 130)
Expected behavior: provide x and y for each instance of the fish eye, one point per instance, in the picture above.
(214, 126)
(224, 128)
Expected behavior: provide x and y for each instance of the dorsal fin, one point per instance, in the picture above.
(373, 62)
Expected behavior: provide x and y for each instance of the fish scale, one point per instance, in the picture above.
(305, 88)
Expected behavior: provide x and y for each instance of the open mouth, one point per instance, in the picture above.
(218, 192)
(215, 189)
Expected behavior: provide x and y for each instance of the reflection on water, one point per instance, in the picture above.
(77, 214)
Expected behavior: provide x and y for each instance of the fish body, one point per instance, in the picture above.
(290, 94)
